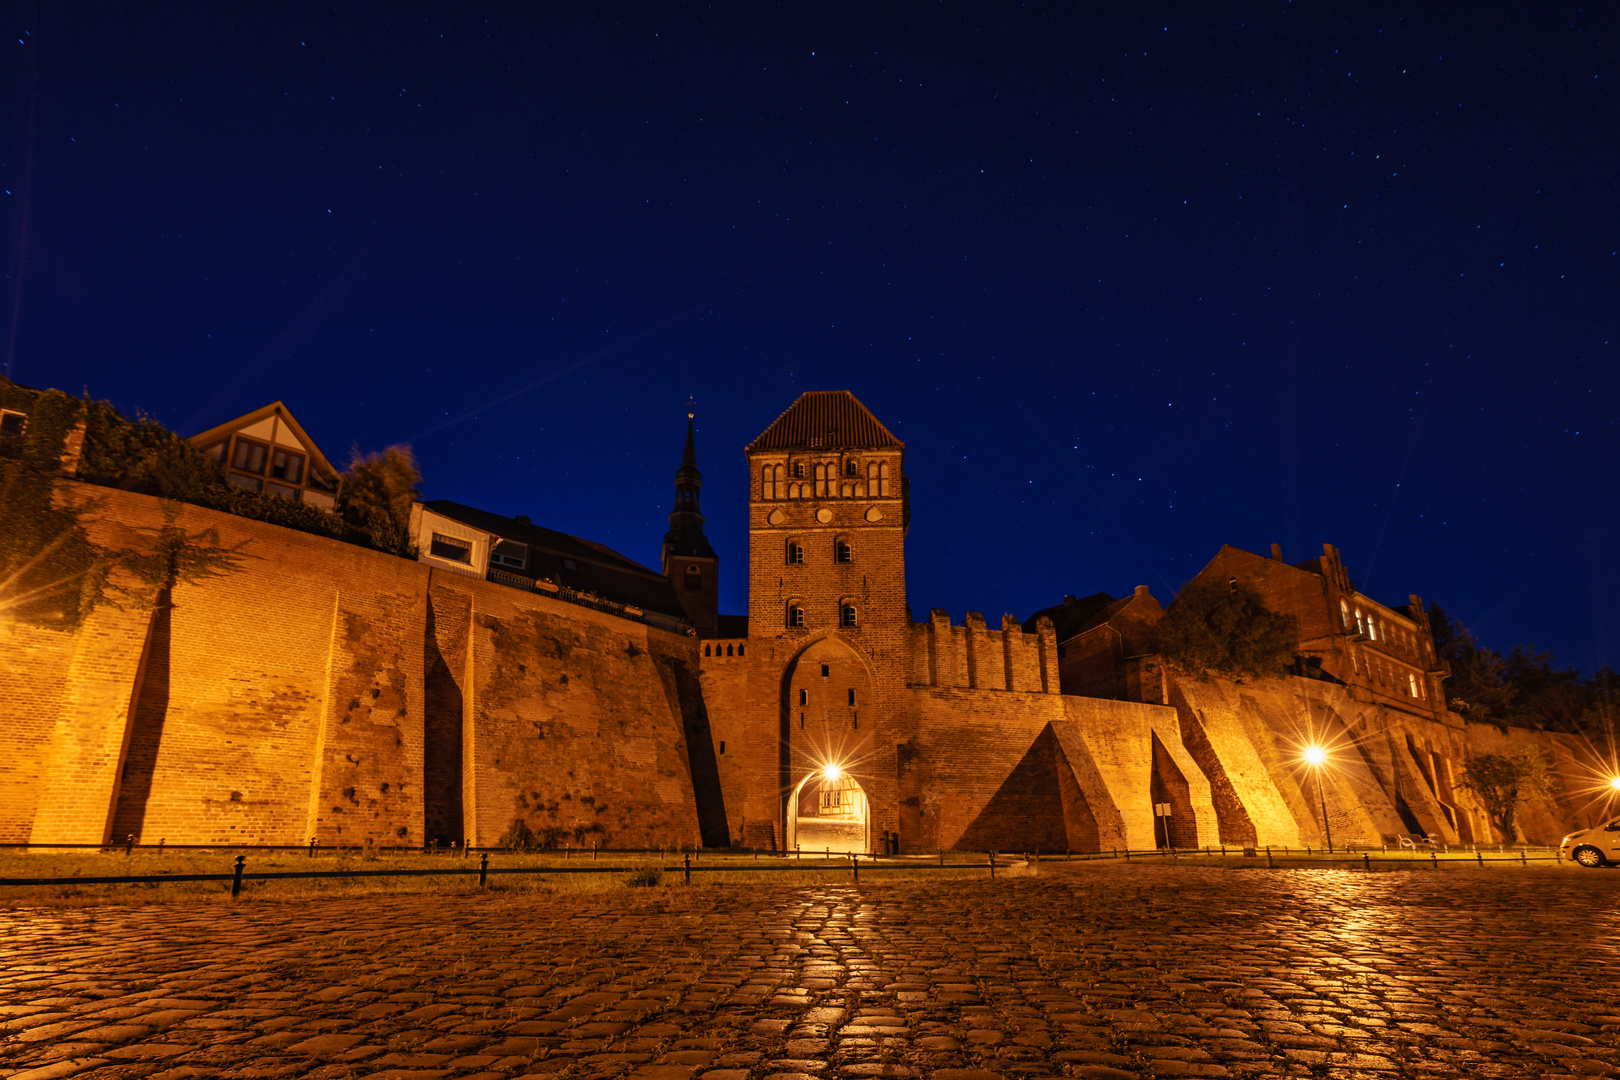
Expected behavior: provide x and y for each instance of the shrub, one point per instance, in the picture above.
(645, 878)
(519, 837)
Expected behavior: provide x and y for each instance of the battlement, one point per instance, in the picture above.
(974, 657)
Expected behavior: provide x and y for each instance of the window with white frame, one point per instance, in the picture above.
(452, 548)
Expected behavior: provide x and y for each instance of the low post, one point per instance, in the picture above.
(688, 861)
(593, 850)
(161, 841)
(855, 867)
(1480, 855)
(992, 866)
(466, 847)
(1522, 860)
(1366, 863)
(129, 844)
(942, 856)
(1434, 861)
(313, 843)
(1269, 864)
(236, 878)
(483, 870)
(1127, 854)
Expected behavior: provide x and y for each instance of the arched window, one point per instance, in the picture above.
(694, 578)
(842, 552)
(1360, 627)
(795, 614)
(1411, 681)
(851, 468)
(705, 650)
(770, 485)
(847, 491)
(728, 650)
(821, 481)
(740, 648)
(883, 480)
(1344, 616)
(846, 614)
(804, 697)
(795, 552)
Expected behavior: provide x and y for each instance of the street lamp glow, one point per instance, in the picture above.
(1315, 755)
(832, 772)
(1614, 783)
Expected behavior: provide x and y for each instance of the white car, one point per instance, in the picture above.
(1597, 846)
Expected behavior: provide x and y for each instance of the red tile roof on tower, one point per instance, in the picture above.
(825, 420)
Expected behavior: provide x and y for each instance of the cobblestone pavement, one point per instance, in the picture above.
(1095, 971)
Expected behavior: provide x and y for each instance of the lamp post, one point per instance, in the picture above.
(1315, 756)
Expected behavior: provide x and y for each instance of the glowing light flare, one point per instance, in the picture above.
(1614, 783)
(832, 772)
(1315, 755)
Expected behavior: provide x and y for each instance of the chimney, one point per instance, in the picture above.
(1276, 552)
(1141, 590)
(1068, 601)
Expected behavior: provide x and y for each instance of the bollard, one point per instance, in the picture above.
(161, 841)
(1366, 863)
(942, 856)
(1067, 854)
(466, 847)
(568, 852)
(688, 860)
(129, 844)
(1434, 861)
(1522, 860)
(236, 879)
(992, 866)
(593, 851)
(312, 845)
(1127, 854)
(1480, 855)
(1223, 849)
(483, 870)
(855, 867)
(1269, 864)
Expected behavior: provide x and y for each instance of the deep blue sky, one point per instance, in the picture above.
(1129, 286)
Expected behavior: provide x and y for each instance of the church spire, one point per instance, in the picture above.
(689, 560)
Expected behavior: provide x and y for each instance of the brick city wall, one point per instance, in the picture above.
(1391, 772)
(316, 689)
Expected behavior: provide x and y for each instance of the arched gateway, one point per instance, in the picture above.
(825, 747)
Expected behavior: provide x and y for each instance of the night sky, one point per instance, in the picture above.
(1128, 286)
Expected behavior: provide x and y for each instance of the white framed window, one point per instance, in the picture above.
(510, 554)
(795, 552)
(795, 615)
(842, 552)
(846, 614)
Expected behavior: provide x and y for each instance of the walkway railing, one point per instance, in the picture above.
(1477, 855)
(239, 873)
(586, 599)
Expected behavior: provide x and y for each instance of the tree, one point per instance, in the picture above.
(1478, 686)
(1501, 780)
(1227, 630)
(376, 496)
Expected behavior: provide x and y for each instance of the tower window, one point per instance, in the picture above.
(804, 697)
(1344, 615)
(694, 578)
(728, 650)
(795, 552)
(795, 615)
(705, 650)
(846, 615)
(798, 470)
(826, 670)
(852, 697)
(722, 746)
(851, 469)
(841, 552)
(740, 646)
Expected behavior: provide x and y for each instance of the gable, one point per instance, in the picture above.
(826, 420)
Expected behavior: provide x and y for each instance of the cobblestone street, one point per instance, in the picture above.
(1088, 970)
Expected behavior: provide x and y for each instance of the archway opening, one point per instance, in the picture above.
(829, 811)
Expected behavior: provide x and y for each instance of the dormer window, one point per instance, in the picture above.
(452, 548)
(12, 424)
(510, 554)
(285, 465)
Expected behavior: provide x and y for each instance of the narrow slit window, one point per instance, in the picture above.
(852, 697)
